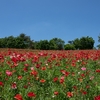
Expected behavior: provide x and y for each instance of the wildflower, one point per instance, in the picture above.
(62, 79)
(26, 65)
(69, 94)
(14, 85)
(25, 86)
(31, 94)
(19, 77)
(75, 87)
(8, 73)
(98, 70)
(25, 69)
(97, 97)
(83, 75)
(65, 72)
(42, 80)
(1, 83)
(32, 68)
(56, 93)
(18, 97)
(43, 68)
(46, 64)
(83, 68)
(55, 79)
(34, 73)
(84, 92)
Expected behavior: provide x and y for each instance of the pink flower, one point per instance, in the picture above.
(8, 73)
(32, 68)
(83, 68)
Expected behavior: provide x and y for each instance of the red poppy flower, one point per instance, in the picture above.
(98, 70)
(84, 92)
(34, 73)
(55, 79)
(19, 77)
(1, 83)
(62, 79)
(31, 94)
(43, 68)
(18, 97)
(56, 93)
(42, 80)
(14, 85)
(69, 94)
(97, 97)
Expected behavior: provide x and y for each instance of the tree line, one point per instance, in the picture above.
(24, 42)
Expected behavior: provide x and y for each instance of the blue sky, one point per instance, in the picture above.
(47, 19)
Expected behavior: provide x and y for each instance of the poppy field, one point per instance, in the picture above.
(49, 75)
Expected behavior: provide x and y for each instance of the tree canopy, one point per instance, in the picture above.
(23, 42)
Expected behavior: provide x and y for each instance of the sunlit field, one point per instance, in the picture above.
(49, 75)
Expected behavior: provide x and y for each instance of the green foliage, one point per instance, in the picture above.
(83, 43)
(98, 46)
(43, 45)
(24, 42)
(56, 44)
(69, 47)
(86, 43)
(76, 43)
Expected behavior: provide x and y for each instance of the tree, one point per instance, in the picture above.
(2, 43)
(56, 44)
(76, 43)
(83, 43)
(36, 45)
(26, 39)
(44, 45)
(70, 42)
(10, 42)
(69, 47)
(86, 43)
(98, 41)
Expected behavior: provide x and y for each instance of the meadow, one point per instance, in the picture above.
(49, 75)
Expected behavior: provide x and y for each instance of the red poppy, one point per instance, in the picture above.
(43, 68)
(42, 80)
(98, 70)
(31, 94)
(62, 79)
(97, 97)
(56, 93)
(18, 97)
(55, 79)
(25, 69)
(84, 92)
(34, 73)
(1, 83)
(14, 85)
(26, 65)
(19, 77)
(64, 72)
(75, 87)
(69, 94)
